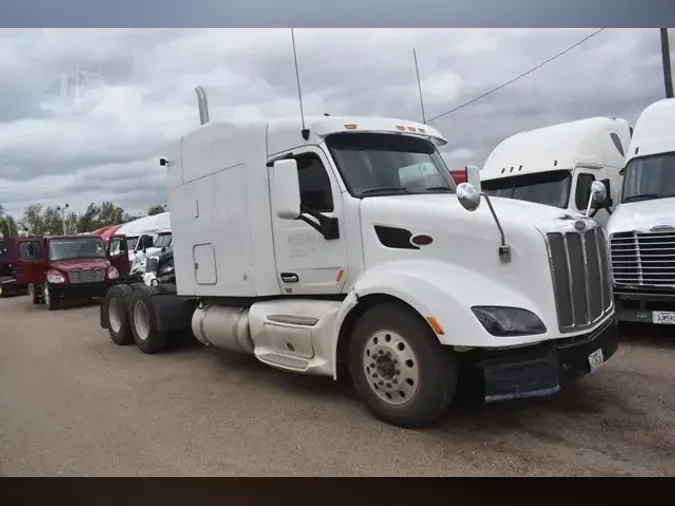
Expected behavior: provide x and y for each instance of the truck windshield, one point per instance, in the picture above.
(162, 241)
(649, 177)
(131, 243)
(77, 247)
(389, 164)
(551, 188)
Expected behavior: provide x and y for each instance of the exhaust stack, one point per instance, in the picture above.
(203, 104)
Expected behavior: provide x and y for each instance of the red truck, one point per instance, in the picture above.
(70, 266)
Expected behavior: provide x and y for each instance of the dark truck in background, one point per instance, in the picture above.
(8, 283)
(69, 267)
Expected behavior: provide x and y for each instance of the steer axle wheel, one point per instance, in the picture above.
(144, 321)
(51, 297)
(399, 368)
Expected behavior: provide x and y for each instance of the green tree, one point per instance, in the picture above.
(155, 210)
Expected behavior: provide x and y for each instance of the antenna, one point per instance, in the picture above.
(305, 131)
(419, 86)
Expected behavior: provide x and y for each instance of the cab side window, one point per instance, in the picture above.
(116, 245)
(583, 192)
(315, 188)
(30, 251)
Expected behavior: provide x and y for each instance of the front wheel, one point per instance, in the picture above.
(399, 368)
(51, 297)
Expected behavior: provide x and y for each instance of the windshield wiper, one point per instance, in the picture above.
(438, 188)
(643, 196)
(386, 189)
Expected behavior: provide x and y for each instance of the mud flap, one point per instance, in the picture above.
(173, 312)
(509, 379)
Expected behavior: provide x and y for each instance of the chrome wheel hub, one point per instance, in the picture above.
(141, 320)
(390, 366)
(115, 314)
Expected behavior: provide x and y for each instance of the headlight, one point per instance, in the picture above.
(508, 321)
(113, 273)
(55, 277)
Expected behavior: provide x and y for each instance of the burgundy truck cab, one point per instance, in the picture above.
(70, 267)
(459, 175)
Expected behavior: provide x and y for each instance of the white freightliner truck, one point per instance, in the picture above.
(297, 242)
(642, 229)
(556, 165)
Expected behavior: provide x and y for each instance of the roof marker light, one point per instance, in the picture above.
(351, 126)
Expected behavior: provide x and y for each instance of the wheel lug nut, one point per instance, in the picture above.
(394, 381)
(380, 382)
(388, 385)
(389, 354)
(398, 371)
(380, 352)
(395, 361)
(374, 375)
(372, 364)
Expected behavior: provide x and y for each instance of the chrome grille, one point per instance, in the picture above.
(80, 276)
(643, 259)
(581, 277)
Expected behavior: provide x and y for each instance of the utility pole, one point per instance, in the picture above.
(63, 216)
(665, 55)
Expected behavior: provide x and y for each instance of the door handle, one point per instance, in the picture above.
(289, 277)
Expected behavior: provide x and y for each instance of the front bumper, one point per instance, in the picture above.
(543, 369)
(81, 291)
(639, 306)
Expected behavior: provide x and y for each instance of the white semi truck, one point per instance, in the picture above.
(298, 243)
(642, 229)
(556, 165)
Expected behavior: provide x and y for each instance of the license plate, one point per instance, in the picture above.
(596, 359)
(664, 317)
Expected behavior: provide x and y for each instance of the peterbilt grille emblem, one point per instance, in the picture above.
(661, 228)
(579, 225)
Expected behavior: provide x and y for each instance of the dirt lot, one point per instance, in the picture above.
(72, 403)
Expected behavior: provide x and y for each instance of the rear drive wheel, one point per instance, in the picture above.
(51, 297)
(33, 294)
(399, 368)
(144, 323)
(116, 302)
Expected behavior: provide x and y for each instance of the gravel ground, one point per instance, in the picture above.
(72, 403)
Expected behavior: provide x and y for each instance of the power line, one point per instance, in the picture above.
(518, 77)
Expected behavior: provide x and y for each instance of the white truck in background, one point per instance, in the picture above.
(556, 165)
(298, 243)
(642, 229)
(146, 237)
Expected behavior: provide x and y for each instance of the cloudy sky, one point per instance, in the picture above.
(138, 93)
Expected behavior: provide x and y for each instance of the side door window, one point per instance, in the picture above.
(116, 246)
(30, 251)
(315, 188)
(583, 190)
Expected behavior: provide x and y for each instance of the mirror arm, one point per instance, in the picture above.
(504, 249)
(326, 226)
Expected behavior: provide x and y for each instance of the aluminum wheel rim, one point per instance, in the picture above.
(31, 291)
(391, 367)
(115, 314)
(48, 295)
(141, 320)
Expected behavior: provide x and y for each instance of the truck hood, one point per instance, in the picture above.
(79, 263)
(640, 216)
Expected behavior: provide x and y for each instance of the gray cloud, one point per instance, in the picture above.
(108, 149)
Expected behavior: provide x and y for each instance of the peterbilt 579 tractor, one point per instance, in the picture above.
(306, 244)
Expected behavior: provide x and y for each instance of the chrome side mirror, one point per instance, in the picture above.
(598, 195)
(468, 196)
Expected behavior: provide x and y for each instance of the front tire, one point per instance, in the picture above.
(51, 297)
(399, 368)
(144, 322)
